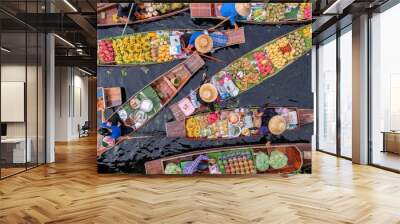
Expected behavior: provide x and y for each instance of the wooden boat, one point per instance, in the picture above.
(240, 160)
(261, 13)
(107, 15)
(108, 97)
(155, 46)
(144, 105)
(239, 122)
(250, 70)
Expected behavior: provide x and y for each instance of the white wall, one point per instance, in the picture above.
(16, 73)
(71, 94)
(33, 127)
(61, 103)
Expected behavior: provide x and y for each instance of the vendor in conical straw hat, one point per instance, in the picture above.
(233, 11)
(277, 125)
(201, 41)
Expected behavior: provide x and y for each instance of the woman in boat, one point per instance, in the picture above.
(204, 42)
(234, 11)
(124, 8)
(113, 131)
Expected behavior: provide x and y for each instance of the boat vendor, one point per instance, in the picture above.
(113, 131)
(124, 8)
(274, 123)
(234, 11)
(204, 42)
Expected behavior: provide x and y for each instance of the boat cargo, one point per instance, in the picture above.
(246, 72)
(107, 13)
(239, 160)
(145, 104)
(156, 46)
(260, 13)
(240, 122)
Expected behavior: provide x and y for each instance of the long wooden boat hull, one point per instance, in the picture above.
(248, 71)
(285, 13)
(144, 105)
(239, 122)
(225, 161)
(106, 16)
(123, 55)
(108, 97)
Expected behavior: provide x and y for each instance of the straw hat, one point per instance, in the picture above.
(277, 125)
(203, 43)
(243, 9)
(208, 93)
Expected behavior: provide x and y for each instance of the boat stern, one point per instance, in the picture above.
(176, 129)
(154, 167)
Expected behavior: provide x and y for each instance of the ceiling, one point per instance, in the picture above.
(332, 15)
(75, 23)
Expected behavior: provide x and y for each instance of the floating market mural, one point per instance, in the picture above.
(204, 88)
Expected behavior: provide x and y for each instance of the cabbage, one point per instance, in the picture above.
(277, 159)
(262, 161)
(172, 168)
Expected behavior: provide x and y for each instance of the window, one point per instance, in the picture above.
(385, 89)
(346, 92)
(327, 96)
(22, 77)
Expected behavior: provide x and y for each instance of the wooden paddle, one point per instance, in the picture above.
(127, 21)
(212, 58)
(218, 25)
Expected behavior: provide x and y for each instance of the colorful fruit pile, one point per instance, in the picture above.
(305, 11)
(279, 12)
(106, 52)
(245, 75)
(236, 163)
(276, 12)
(193, 127)
(142, 48)
(297, 42)
(307, 32)
(258, 14)
(263, 63)
(156, 9)
(280, 52)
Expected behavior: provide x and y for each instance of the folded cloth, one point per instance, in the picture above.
(219, 39)
(191, 167)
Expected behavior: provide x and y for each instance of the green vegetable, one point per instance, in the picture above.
(277, 159)
(262, 161)
(172, 168)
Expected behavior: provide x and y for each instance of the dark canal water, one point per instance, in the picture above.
(291, 87)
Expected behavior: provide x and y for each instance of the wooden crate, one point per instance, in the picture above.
(176, 129)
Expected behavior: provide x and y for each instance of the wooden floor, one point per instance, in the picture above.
(71, 191)
(5, 172)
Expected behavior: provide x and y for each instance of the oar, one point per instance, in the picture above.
(219, 24)
(212, 58)
(127, 21)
